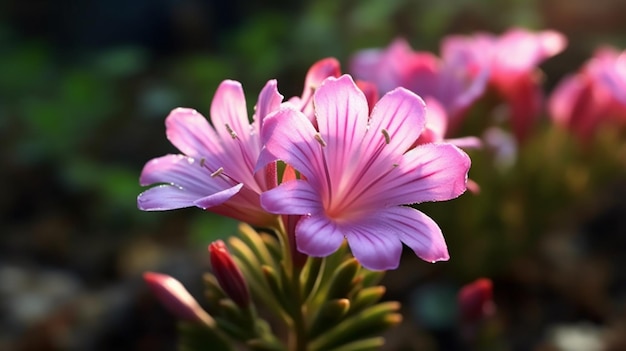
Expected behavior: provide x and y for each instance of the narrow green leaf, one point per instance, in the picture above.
(193, 337)
(256, 244)
(328, 316)
(371, 321)
(342, 280)
(366, 297)
(371, 344)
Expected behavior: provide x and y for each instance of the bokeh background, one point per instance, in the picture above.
(84, 90)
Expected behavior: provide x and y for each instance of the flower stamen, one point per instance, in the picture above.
(218, 172)
(320, 140)
(386, 135)
(230, 131)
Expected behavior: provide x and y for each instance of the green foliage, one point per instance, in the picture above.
(331, 303)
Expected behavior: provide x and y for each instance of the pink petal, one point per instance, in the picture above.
(294, 197)
(184, 172)
(318, 236)
(269, 101)
(342, 115)
(470, 142)
(417, 231)
(290, 137)
(436, 118)
(319, 71)
(191, 133)
(429, 172)
(176, 298)
(165, 197)
(522, 50)
(364, 64)
(218, 198)
(371, 92)
(240, 143)
(396, 123)
(187, 182)
(229, 108)
(375, 244)
(402, 114)
(564, 97)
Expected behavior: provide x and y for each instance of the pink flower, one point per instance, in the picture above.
(444, 80)
(173, 295)
(356, 175)
(476, 301)
(437, 125)
(614, 75)
(512, 59)
(584, 101)
(216, 171)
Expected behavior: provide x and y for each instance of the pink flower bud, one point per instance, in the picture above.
(476, 300)
(176, 299)
(228, 274)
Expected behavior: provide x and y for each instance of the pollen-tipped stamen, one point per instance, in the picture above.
(386, 135)
(320, 140)
(230, 131)
(217, 172)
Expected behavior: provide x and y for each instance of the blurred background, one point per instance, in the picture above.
(85, 87)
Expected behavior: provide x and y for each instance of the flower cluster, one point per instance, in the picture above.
(329, 183)
(593, 97)
(467, 67)
(356, 171)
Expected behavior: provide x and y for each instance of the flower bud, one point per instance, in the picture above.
(176, 299)
(228, 275)
(476, 300)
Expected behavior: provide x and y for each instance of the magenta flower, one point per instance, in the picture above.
(586, 100)
(216, 171)
(476, 301)
(356, 175)
(613, 73)
(436, 128)
(444, 80)
(512, 59)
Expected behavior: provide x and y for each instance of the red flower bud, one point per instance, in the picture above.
(476, 300)
(228, 275)
(176, 299)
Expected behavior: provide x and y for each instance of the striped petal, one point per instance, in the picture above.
(295, 197)
(289, 136)
(318, 236)
(429, 172)
(191, 133)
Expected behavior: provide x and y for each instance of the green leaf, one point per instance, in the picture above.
(193, 337)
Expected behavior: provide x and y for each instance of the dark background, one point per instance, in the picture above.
(84, 90)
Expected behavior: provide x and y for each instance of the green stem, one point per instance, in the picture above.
(298, 333)
(298, 339)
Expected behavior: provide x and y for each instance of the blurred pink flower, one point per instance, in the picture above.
(614, 74)
(444, 80)
(216, 171)
(584, 101)
(173, 295)
(356, 175)
(437, 126)
(476, 301)
(512, 59)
